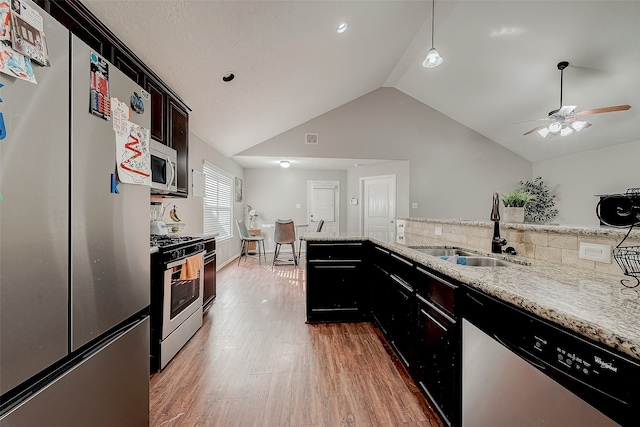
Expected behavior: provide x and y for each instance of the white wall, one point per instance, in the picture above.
(274, 194)
(190, 209)
(398, 168)
(577, 178)
(453, 170)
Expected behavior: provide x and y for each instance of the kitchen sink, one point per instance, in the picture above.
(485, 261)
(472, 259)
(445, 252)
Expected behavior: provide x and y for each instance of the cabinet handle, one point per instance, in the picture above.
(336, 267)
(343, 261)
(402, 283)
(444, 282)
(440, 325)
(382, 250)
(436, 309)
(480, 303)
(402, 259)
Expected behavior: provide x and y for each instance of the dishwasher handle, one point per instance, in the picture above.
(532, 359)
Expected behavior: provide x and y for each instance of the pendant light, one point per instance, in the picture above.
(433, 58)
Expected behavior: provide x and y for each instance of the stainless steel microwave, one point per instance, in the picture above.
(163, 168)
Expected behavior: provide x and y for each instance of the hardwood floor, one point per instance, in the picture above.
(255, 362)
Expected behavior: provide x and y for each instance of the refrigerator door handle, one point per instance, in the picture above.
(173, 173)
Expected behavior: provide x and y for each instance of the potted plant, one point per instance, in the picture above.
(514, 203)
(542, 208)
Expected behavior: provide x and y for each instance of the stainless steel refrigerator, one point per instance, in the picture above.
(74, 256)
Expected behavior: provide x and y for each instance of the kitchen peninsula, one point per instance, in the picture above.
(546, 281)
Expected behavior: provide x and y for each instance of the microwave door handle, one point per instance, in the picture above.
(173, 173)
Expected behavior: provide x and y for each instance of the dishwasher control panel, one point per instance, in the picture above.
(604, 378)
(576, 357)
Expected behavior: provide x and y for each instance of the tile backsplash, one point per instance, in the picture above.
(547, 243)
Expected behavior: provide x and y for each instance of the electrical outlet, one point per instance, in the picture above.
(298, 205)
(595, 252)
(414, 206)
(438, 231)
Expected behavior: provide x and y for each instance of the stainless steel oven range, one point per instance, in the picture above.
(176, 295)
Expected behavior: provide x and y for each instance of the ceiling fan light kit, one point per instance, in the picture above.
(433, 58)
(565, 120)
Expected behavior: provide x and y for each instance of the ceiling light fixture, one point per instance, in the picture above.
(433, 58)
(285, 163)
(342, 28)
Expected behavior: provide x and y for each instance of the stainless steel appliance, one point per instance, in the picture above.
(74, 260)
(163, 168)
(519, 370)
(176, 298)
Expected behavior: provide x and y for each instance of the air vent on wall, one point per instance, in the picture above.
(311, 138)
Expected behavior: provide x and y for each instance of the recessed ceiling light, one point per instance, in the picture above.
(285, 163)
(227, 77)
(342, 28)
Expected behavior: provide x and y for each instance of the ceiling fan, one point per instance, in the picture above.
(565, 120)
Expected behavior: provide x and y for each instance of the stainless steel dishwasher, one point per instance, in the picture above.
(519, 370)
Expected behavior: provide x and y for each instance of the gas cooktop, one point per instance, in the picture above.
(171, 241)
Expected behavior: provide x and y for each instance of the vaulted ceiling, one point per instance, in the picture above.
(290, 64)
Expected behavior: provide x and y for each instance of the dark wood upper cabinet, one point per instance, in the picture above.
(169, 113)
(127, 65)
(178, 131)
(158, 111)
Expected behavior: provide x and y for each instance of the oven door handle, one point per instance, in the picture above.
(180, 261)
(176, 263)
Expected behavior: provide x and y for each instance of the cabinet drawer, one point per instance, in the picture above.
(380, 257)
(401, 267)
(318, 252)
(438, 290)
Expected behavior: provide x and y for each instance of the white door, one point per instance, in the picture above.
(379, 206)
(323, 198)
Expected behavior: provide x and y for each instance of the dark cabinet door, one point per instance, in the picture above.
(128, 66)
(158, 111)
(380, 289)
(402, 327)
(334, 292)
(179, 140)
(438, 360)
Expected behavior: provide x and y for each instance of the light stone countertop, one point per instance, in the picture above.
(601, 231)
(590, 303)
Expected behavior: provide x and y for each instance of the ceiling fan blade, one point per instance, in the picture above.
(528, 121)
(604, 110)
(537, 128)
(566, 110)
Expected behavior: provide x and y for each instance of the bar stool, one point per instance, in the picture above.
(284, 234)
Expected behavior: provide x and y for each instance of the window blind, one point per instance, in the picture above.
(217, 201)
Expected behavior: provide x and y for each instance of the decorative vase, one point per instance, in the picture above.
(513, 214)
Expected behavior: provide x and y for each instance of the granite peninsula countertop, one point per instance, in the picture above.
(581, 230)
(590, 303)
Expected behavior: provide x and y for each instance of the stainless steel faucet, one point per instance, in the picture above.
(496, 242)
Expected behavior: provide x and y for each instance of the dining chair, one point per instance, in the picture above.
(284, 234)
(246, 239)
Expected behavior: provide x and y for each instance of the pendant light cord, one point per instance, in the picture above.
(433, 9)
